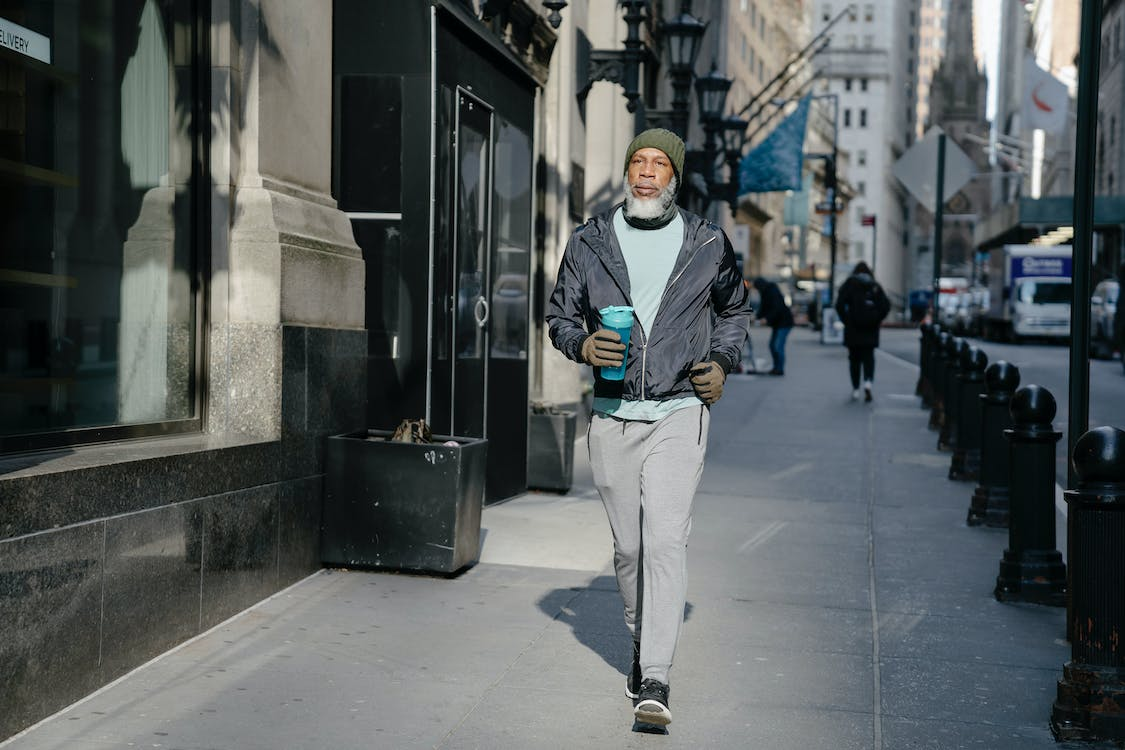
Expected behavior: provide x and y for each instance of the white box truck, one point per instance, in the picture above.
(1029, 292)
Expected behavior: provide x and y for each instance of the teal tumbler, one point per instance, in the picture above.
(618, 318)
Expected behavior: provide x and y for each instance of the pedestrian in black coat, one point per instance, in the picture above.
(777, 315)
(862, 305)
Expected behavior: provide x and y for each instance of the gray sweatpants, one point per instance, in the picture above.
(647, 474)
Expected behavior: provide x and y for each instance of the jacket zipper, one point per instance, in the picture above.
(689, 260)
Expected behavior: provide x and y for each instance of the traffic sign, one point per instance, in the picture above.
(917, 169)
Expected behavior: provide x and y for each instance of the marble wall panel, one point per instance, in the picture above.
(152, 584)
(337, 380)
(129, 479)
(299, 537)
(240, 551)
(50, 607)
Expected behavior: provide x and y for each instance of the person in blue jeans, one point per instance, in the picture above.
(777, 315)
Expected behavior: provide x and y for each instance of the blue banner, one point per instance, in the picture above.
(775, 163)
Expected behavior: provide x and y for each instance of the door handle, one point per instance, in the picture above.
(480, 312)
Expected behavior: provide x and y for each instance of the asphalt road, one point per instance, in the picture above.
(1047, 365)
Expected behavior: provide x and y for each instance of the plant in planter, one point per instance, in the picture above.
(404, 500)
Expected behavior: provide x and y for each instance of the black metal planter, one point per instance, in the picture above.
(405, 506)
(550, 450)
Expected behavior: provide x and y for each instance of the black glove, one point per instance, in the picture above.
(707, 379)
(603, 349)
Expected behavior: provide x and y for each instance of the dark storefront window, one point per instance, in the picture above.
(511, 271)
(98, 278)
(370, 192)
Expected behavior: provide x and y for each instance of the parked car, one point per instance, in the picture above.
(1103, 308)
(973, 304)
(952, 289)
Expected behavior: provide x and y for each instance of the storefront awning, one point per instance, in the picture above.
(1020, 222)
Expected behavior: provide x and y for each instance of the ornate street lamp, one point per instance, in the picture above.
(683, 35)
(734, 136)
(712, 92)
(621, 66)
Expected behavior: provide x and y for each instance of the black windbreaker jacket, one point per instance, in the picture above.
(704, 314)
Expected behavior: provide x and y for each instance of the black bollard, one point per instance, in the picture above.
(923, 344)
(929, 346)
(1032, 569)
(990, 499)
(947, 438)
(965, 465)
(938, 357)
(1090, 702)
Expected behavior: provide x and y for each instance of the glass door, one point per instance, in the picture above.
(471, 251)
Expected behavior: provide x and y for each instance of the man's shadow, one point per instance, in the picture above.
(594, 614)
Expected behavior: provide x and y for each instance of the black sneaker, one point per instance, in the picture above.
(652, 703)
(633, 681)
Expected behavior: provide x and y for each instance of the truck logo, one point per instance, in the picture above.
(1037, 266)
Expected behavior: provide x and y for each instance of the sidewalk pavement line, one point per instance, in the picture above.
(794, 469)
(159, 657)
(897, 359)
(877, 702)
(485, 693)
(764, 534)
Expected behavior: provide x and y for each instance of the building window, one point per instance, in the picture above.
(849, 40)
(851, 11)
(868, 41)
(1113, 130)
(826, 13)
(847, 118)
(847, 84)
(863, 84)
(761, 69)
(861, 157)
(744, 5)
(99, 283)
(869, 13)
(863, 118)
(861, 188)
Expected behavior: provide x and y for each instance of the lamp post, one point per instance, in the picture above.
(830, 184)
(734, 139)
(621, 66)
(712, 92)
(682, 35)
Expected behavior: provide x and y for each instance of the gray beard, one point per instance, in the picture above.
(650, 208)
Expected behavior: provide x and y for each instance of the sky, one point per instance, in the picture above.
(987, 13)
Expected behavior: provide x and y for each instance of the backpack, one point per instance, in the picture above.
(866, 310)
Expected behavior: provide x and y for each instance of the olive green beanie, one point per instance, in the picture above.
(665, 140)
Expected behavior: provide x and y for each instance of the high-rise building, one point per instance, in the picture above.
(931, 47)
(958, 103)
(871, 66)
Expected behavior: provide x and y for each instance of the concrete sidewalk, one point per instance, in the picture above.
(837, 600)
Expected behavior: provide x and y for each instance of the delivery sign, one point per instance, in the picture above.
(1039, 265)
